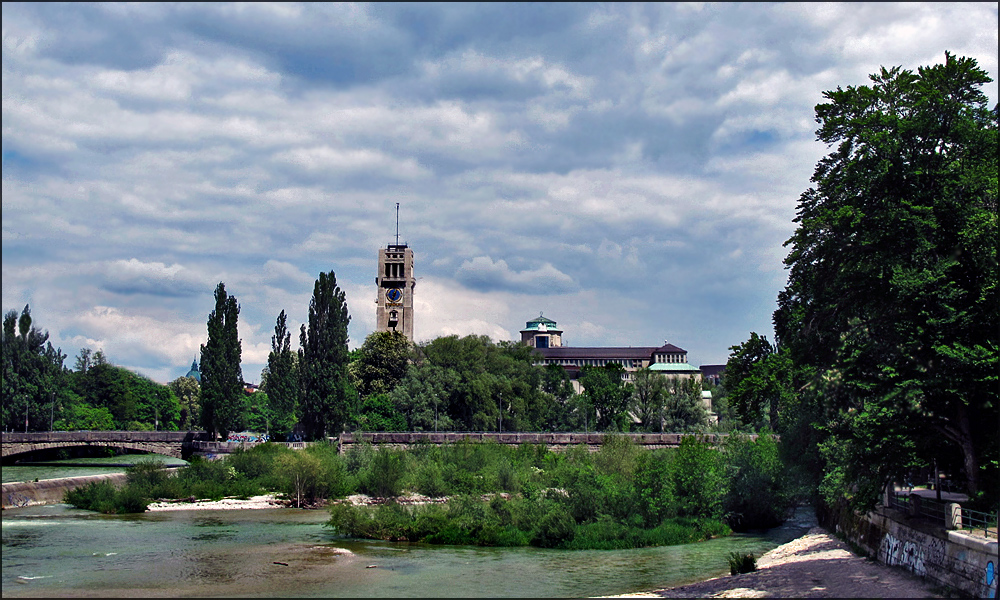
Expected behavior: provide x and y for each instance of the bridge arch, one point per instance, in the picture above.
(168, 443)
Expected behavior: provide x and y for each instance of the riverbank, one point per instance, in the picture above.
(816, 565)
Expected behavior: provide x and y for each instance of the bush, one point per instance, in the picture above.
(758, 494)
(741, 563)
(103, 497)
(699, 479)
(556, 528)
(384, 476)
(429, 479)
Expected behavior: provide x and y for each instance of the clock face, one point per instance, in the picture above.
(393, 294)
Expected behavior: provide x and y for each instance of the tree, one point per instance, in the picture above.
(648, 394)
(684, 409)
(188, 392)
(757, 380)
(423, 398)
(223, 403)
(607, 396)
(323, 361)
(890, 314)
(282, 379)
(33, 376)
(381, 363)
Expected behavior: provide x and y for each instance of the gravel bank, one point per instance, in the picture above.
(816, 565)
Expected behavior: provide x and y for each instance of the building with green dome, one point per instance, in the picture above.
(194, 373)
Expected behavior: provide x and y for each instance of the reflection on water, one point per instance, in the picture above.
(237, 553)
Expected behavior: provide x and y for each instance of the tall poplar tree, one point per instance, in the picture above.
(223, 402)
(282, 382)
(323, 359)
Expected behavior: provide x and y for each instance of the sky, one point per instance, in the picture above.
(629, 170)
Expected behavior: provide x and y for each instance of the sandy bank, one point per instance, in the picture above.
(254, 502)
(816, 565)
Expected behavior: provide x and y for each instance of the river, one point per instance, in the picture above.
(57, 550)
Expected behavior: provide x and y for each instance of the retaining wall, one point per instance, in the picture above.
(949, 558)
(554, 441)
(49, 491)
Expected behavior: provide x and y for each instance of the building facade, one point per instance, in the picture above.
(545, 337)
(395, 283)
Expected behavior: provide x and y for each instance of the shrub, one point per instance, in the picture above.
(758, 493)
(429, 479)
(299, 477)
(654, 483)
(699, 479)
(384, 476)
(101, 496)
(742, 563)
(147, 476)
(557, 527)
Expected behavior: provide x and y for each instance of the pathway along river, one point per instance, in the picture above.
(58, 550)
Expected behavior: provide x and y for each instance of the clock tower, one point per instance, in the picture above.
(395, 282)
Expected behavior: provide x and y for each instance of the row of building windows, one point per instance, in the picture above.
(594, 362)
(671, 358)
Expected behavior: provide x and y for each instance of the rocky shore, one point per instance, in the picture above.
(816, 565)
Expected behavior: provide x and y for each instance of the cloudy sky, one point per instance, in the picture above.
(631, 171)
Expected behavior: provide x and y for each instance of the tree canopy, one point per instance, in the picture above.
(890, 314)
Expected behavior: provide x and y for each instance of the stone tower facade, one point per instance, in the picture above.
(395, 282)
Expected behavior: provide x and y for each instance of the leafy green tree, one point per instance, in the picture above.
(608, 397)
(259, 415)
(82, 416)
(381, 363)
(493, 385)
(281, 380)
(648, 396)
(223, 403)
(757, 378)
(683, 409)
(423, 398)
(890, 314)
(188, 393)
(379, 413)
(33, 376)
(324, 386)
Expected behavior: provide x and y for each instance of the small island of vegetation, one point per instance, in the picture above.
(622, 496)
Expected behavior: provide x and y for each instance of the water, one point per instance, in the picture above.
(70, 467)
(57, 550)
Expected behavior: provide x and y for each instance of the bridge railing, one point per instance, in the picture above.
(104, 436)
(571, 438)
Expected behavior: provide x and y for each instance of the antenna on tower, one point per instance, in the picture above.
(397, 223)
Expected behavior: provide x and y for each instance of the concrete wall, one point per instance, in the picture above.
(949, 558)
(49, 491)
(554, 441)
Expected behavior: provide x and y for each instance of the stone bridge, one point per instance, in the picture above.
(554, 441)
(182, 444)
(179, 444)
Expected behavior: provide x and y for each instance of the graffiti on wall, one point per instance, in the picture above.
(990, 580)
(894, 551)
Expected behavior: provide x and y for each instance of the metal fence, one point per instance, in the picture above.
(975, 520)
(972, 520)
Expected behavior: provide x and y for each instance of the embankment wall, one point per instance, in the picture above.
(49, 491)
(953, 559)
